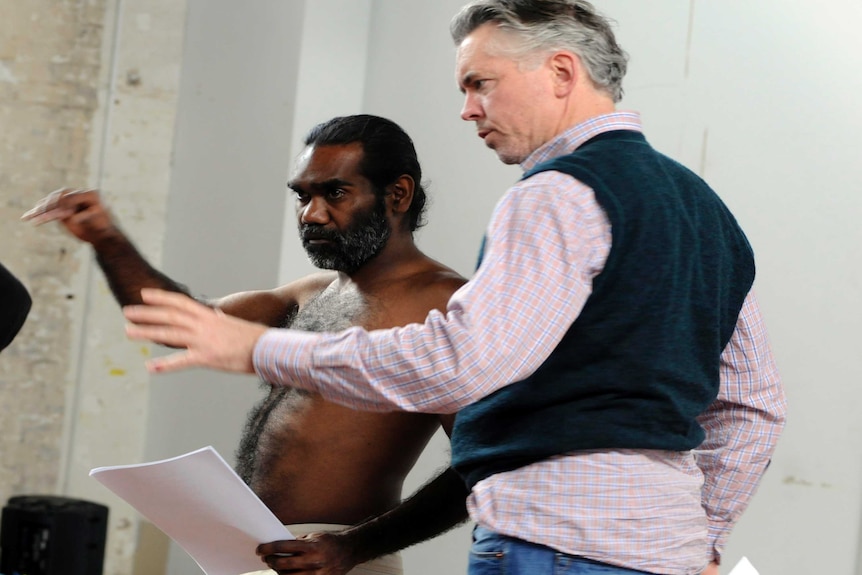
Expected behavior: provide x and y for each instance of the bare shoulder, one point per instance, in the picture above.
(299, 291)
(427, 274)
(272, 306)
(427, 287)
(439, 280)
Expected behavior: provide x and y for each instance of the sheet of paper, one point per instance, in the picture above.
(744, 567)
(200, 502)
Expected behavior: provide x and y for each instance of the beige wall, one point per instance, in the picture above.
(50, 67)
(87, 98)
(50, 56)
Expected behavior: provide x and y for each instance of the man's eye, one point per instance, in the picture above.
(301, 197)
(480, 85)
(336, 193)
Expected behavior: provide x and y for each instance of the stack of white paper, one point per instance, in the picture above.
(200, 502)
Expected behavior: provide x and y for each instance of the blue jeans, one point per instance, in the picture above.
(495, 554)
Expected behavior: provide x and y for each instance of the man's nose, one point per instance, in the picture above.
(470, 110)
(314, 212)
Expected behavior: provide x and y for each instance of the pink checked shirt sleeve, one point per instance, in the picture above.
(543, 251)
(742, 425)
(547, 239)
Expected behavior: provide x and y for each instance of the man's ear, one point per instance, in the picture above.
(566, 69)
(400, 194)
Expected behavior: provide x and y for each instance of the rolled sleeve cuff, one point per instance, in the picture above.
(279, 357)
(718, 534)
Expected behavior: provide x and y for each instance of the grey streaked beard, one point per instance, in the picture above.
(362, 240)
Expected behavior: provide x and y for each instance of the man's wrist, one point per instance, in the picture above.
(110, 238)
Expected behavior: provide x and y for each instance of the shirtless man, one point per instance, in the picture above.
(359, 198)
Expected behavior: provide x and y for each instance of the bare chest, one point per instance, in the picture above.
(334, 309)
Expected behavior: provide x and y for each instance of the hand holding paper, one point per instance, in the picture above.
(199, 501)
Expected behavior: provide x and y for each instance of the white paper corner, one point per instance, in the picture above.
(744, 567)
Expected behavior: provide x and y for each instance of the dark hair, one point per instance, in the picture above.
(543, 25)
(388, 153)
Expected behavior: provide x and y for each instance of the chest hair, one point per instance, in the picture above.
(333, 309)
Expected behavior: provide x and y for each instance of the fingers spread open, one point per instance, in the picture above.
(174, 362)
(161, 334)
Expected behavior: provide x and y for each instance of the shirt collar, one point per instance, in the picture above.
(571, 139)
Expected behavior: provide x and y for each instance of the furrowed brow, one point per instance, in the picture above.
(332, 184)
(466, 80)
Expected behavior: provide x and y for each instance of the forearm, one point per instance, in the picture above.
(127, 271)
(733, 462)
(497, 328)
(437, 507)
(742, 426)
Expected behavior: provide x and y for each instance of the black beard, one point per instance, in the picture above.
(349, 250)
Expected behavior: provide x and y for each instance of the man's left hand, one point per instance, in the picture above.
(210, 338)
(317, 553)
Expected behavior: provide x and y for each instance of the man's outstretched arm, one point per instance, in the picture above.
(438, 506)
(86, 217)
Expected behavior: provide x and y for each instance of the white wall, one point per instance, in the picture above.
(224, 214)
(757, 97)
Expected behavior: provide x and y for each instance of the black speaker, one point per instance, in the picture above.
(49, 535)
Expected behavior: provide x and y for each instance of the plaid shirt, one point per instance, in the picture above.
(657, 511)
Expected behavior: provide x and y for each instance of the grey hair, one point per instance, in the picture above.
(547, 25)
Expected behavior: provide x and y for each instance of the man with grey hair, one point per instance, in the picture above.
(617, 397)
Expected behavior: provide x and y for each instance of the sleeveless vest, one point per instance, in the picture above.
(641, 361)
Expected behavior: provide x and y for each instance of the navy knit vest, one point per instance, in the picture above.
(641, 361)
